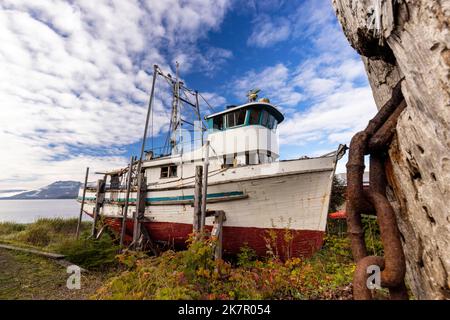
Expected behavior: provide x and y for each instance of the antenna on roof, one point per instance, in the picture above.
(252, 95)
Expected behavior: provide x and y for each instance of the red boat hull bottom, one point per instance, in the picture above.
(286, 243)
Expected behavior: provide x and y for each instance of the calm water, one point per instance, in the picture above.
(26, 211)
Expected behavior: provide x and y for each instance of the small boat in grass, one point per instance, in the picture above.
(264, 198)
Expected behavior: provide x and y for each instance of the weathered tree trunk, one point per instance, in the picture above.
(410, 40)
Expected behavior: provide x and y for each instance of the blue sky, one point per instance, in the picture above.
(76, 76)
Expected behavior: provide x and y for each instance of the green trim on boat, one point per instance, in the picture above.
(178, 198)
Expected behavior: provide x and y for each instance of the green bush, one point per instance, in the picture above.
(89, 253)
(246, 257)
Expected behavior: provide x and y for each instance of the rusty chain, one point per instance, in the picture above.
(375, 140)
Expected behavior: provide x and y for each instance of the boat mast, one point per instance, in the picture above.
(140, 198)
(175, 117)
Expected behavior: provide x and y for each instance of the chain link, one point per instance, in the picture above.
(375, 141)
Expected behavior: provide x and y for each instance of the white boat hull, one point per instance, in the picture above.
(286, 197)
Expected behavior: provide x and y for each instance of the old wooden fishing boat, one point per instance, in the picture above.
(281, 204)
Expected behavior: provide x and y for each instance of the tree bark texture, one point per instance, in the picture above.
(409, 41)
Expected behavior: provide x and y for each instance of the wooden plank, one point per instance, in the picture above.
(33, 251)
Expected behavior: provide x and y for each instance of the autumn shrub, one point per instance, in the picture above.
(194, 274)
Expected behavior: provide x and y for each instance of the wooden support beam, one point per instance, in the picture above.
(204, 186)
(99, 198)
(197, 199)
(82, 203)
(140, 209)
(217, 233)
(127, 197)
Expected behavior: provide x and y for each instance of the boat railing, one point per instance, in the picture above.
(108, 186)
(183, 147)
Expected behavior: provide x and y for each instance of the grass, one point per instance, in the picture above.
(44, 233)
(58, 235)
(27, 276)
(8, 228)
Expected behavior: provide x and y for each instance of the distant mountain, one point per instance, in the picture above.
(11, 190)
(56, 190)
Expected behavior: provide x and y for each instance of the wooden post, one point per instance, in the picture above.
(140, 209)
(127, 196)
(82, 203)
(204, 186)
(197, 199)
(99, 196)
(217, 232)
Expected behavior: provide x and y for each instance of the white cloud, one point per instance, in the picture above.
(335, 104)
(76, 75)
(274, 83)
(325, 97)
(335, 118)
(215, 102)
(311, 20)
(267, 31)
(206, 62)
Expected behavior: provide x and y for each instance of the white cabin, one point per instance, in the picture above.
(245, 134)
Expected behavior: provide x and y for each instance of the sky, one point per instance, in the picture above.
(75, 77)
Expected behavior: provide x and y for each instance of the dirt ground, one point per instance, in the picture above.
(27, 276)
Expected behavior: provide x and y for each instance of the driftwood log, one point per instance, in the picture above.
(409, 40)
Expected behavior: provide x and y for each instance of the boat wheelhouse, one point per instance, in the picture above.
(245, 134)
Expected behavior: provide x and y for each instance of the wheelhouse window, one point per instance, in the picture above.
(218, 123)
(268, 120)
(240, 117)
(264, 118)
(254, 116)
(272, 123)
(169, 171)
(236, 118)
